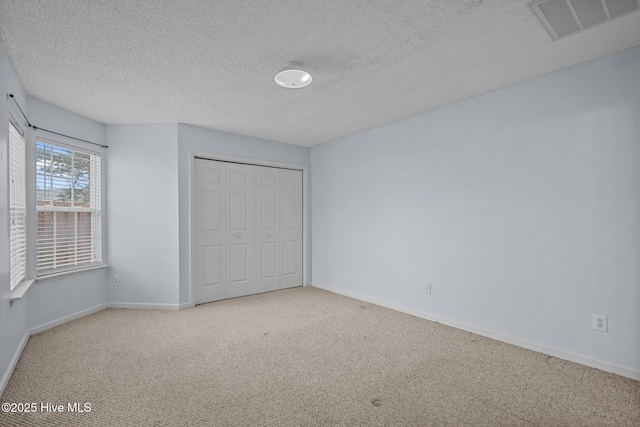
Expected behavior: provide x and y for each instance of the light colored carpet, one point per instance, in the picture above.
(302, 357)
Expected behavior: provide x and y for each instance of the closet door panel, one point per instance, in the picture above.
(240, 232)
(267, 229)
(210, 236)
(238, 263)
(289, 258)
(291, 228)
(269, 261)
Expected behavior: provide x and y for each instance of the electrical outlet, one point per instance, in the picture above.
(116, 280)
(427, 288)
(600, 323)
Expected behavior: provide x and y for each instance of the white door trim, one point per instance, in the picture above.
(249, 161)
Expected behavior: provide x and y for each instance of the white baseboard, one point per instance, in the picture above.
(68, 318)
(35, 330)
(144, 306)
(561, 354)
(14, 361)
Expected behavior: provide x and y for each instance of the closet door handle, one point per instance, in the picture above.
(237, 236)
(268, 234)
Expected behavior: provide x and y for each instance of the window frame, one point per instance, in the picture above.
(96, 180)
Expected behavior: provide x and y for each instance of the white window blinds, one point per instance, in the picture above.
(68, 205)
(17, 206)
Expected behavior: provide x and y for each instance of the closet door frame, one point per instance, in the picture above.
(254, 162)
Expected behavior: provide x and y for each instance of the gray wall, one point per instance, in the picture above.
(142, 214)
(521, 207)
(14, 322)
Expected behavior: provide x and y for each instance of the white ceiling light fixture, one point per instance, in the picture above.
(293, 76)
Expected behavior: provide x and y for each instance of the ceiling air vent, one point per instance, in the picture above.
(565, 17)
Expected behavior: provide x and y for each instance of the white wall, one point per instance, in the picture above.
(14, 323)
(56, 298)
(192, 138)
(142, 215)
(148, 210)
(521, 207)
(48, 301)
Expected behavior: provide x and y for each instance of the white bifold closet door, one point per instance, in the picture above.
(248, 229)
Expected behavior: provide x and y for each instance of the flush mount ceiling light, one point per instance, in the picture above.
(293, 77)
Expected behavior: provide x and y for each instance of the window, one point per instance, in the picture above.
(17, 206)
(68, 206)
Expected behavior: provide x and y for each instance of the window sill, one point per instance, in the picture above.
(19, 291)
(69, 272)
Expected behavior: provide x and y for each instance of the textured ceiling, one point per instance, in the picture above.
(211, 63)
